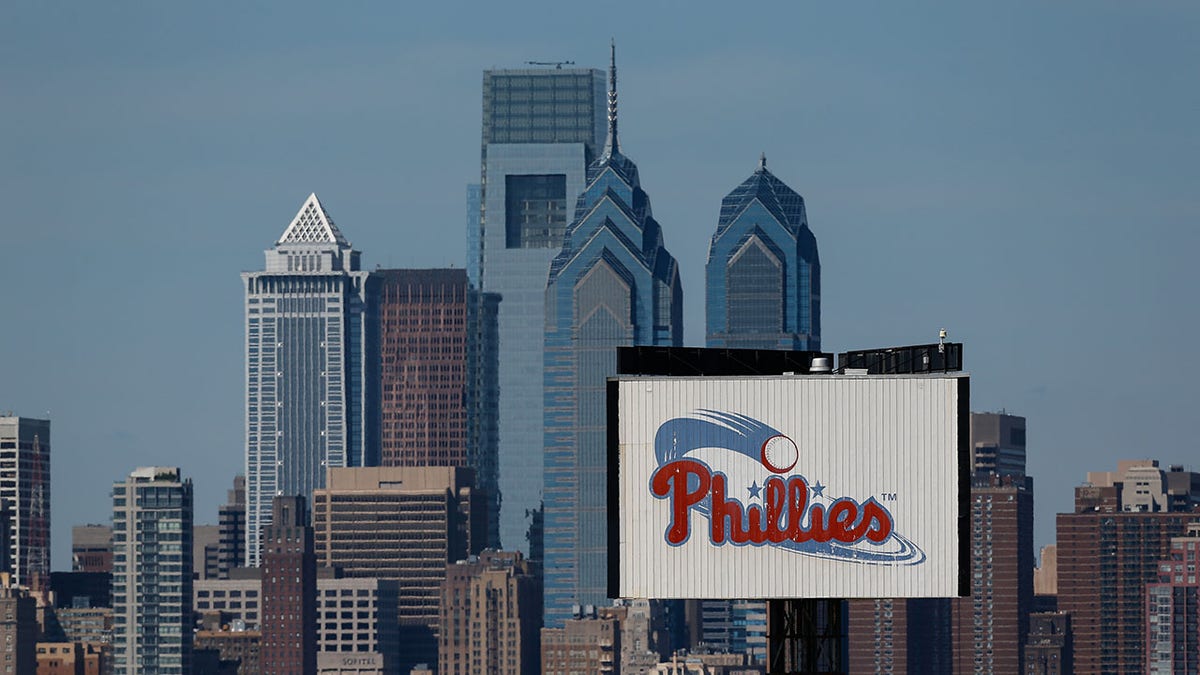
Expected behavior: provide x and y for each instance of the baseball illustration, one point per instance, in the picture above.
(779, 454)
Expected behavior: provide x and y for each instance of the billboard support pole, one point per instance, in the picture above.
(805, 637)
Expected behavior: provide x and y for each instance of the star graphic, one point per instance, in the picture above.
(754, 490)
(818, 489)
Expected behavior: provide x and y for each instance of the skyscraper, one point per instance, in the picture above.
(25, 492)
(231, 524)
(311, 391)
(763, 277)
(152, 573)
(613, 283)
(541, 129)
(438, 376)
(1173, 609)
(289, 591)
(762, 291)
(490, 617)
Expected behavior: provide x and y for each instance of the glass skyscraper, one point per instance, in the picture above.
(763, 277)
(612, 284)
(763, 291)
(312, 385)
(152, 573)
(541, 128)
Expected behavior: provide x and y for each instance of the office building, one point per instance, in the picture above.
(91, 548)
(371, 640)
(438, 370)
(1109, 549)
(238, 651)
(403, 524)
(1173, 609)
(490, 616)
(25, 493)
(206, 551)
(541, 129)
(289, 591)
(236, 601)
(311, 386)
(998, 443)
(763, 276)
(612, 284)
(762, 291)
(93, 625)
(231, 526)
(152, 573)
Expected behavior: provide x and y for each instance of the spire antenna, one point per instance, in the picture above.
(610, 146)
(762, 162)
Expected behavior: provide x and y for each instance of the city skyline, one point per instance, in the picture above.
(1022, 181)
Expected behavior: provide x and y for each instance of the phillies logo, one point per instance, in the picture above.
(790, 513)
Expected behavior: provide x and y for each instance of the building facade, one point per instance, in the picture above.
(289, 591)
(612, 284)
(998, 443)
(583, 644)
(491, 616)
(370, 636)
(91, 548)
(541, 129)
(18, 627)
(152, 573)
(438, 376)
(25, 494)
(1048, 648)
(763, 276)
(312, 390)
(231, 526)
(1109, 549)
(403, 524)
(1173, 609)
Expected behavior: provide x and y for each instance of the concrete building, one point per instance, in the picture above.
(205, 551)
(18, 627)
(231, 526)
(1109, 549)
(403, 524)
(438, 376)
(1173, 609)
(490, 616)
(237, 600)
(312, 388)
(541, 129)
(91, 548)
(289, 589)
(1048, 648)
(357, 626)
(152, 573)
(69, 658)
(237, 651)
(25, 494)
(93, 625)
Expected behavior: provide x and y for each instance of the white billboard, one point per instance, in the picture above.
(821, 486)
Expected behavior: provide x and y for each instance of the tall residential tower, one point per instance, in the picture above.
(541, 129)
(613, 284)
(311, 391)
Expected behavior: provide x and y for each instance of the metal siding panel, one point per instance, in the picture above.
(858, 436)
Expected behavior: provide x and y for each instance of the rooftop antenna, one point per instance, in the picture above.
(762, 162)
(557, 64)
(942, 341)
(610, 146)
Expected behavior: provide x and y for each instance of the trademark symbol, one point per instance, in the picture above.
(887, 497)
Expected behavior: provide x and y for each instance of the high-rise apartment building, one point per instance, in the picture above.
(289, 591)
(25, 491)
(438, 376)
(403, 524)
(763, 277)
(613, 284)
(1173, 609)
(311, 386)
(541, 129)
(152, 573)
(231, 526)
(91, 548)
(491, 617)
(1109, 550)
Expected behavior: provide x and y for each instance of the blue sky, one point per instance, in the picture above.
(1024, 175)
